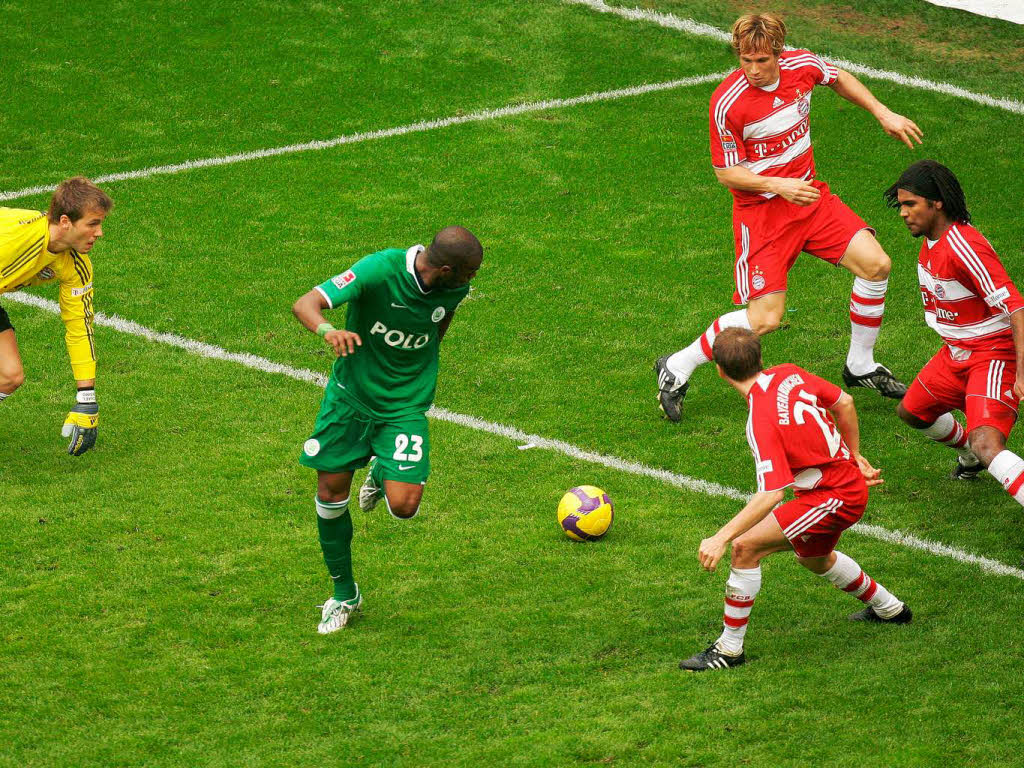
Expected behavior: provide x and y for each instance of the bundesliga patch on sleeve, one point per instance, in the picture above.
(728, 142)
(340, 281)
(996, 296)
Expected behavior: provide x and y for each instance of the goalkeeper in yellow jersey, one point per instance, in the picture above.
(36, 248)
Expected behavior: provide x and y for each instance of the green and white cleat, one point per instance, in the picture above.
(370, 493)
(336, 613)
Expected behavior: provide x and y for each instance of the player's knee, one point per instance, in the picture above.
(403, 509)
(987, 443)
(331, 489)
(744, 555)
(910, 418)
(878, 268)
(11, 379)
(766, 321)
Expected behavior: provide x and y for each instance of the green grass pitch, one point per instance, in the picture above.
(159, 594)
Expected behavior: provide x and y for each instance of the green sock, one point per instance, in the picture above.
(335, 526)
(377, 473)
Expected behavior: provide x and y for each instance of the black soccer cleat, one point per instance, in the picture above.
(711, 658)
(670, 391)
(881, 379)
(868, 614)
(964, 471)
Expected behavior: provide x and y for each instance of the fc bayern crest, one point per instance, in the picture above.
(438, 315)
(803, 106)
(757, 282)
(940, 291)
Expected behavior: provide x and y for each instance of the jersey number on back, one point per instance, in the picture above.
(800, 411)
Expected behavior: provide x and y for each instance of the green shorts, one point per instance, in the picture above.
(344, 439)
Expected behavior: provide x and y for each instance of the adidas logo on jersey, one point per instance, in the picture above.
(777, 103)
(399, 339)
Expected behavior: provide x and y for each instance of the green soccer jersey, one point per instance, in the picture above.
(394, 372)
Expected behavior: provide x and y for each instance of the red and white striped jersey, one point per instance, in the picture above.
(968, 297)
(768, 131)
(792, 435)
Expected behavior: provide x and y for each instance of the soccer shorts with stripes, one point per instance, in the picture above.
(814, 521)
(980, 384)
(770, 235)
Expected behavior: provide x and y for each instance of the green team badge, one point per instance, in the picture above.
(438, 315)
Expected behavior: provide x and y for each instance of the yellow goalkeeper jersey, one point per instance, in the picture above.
(25, 260)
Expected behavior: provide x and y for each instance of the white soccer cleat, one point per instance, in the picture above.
(370, 493)
(336, 613)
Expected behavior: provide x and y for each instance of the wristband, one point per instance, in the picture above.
(86, 395)
(324, 328)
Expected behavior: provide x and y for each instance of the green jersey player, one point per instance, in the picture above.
(400, 303)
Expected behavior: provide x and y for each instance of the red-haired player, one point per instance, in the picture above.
(761, 150)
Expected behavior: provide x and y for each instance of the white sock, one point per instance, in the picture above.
(329, 510)
(948, 431)
(1008, 468)
(848, 576)
(867, 304)
(740, 591)
(683, 363)
(4, 395)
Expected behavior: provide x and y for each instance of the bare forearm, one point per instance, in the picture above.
(845, 414)
(309, 310)
(755, 511)
(854, 91)
(744, 180)
(1017, 324)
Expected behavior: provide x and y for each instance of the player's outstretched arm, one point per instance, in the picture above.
(309, 310)
(896, 125)
(845, 415)
(713, 548)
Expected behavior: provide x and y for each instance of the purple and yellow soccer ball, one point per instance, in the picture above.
(585, 513)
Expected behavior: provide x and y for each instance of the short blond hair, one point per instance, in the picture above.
(76, 197)
(759, 32)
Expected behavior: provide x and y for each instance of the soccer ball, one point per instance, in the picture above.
(585, 513)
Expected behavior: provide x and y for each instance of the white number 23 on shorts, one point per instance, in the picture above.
(414, 444)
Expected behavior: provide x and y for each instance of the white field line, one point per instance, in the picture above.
(671, 478)
(384, 133)
(696, 28)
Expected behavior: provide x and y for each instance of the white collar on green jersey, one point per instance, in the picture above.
(410, 264)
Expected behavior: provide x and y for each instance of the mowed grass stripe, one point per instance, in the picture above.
(384, 133)
(696, 485)
(699, 29)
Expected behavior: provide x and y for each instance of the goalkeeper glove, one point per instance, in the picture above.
(80, 425)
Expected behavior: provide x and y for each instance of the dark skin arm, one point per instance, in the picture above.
(442, 327)
(1017, 324)
(309, 310)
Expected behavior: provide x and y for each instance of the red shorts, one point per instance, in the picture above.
(770, 235)
(813, 521)
(981, 386)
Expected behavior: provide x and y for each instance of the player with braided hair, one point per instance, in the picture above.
(972, 303)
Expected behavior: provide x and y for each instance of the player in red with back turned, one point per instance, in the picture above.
(970, 301)
(761, 150)
(796, 443)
